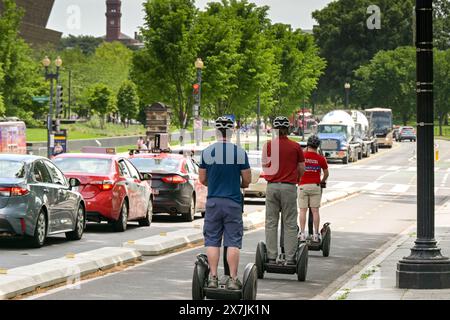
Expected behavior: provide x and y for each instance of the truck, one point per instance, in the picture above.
(364, 133)
(302, 121)
(380, 120)
(337, 133)
(13, 137)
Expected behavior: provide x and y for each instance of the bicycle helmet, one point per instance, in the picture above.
(314, 142)
(281, 122)
(224, 123)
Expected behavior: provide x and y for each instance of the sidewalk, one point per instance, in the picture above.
(377, 280)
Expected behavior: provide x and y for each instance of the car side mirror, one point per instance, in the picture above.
(74, 183)
(146, 176)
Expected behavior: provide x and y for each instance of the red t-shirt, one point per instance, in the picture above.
(280, 159)
(314, 164)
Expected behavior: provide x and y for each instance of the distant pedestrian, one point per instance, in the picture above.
(140, 143)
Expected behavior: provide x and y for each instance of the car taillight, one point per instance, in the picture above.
(174, 180)
(104, 185)
(13, 192)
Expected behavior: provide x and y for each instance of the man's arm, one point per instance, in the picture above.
(326, 174)
(202, 176)
(246, 178)
(301, 170)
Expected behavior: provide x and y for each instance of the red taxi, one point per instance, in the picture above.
(113, 189)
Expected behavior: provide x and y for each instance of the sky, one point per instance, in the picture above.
(87, 17)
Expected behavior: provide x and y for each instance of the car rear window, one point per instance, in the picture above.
(12, 169)
(156, 164)
(84, 165)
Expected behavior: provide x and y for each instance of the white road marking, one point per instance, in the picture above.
(410, 169)
(400, 188)
(343, 185)
(444, 179)
(394, 168)
(372, 186)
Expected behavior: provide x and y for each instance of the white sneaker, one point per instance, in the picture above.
(301, 236)
(316, 237)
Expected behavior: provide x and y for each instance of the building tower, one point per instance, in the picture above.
(113, 18)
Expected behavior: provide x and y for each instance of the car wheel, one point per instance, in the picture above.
(345, 159)
(77, 233)
(360, 155)
(190, 215)
(147, 221)
(40, 231)
(121, 224)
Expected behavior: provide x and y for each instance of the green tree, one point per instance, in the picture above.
(442, 24)
(442, 86)
(164, 70)
(101, 101)
(128, 102)
(87, 44)
(347, 43)
(389, 80)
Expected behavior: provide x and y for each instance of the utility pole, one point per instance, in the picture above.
(258, 120)
(425, 267)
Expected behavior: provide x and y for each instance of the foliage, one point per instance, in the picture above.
(128, 101)
(347, 43)
(442, 86)
(87, 44)
(101, 100)
(442, 24)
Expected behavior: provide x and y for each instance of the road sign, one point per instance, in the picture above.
(42, 99)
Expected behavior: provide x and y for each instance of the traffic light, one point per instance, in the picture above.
(196, 88)
(55, 125)
(59, 101)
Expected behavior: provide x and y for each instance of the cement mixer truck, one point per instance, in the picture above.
(364, 133)
(337, 132)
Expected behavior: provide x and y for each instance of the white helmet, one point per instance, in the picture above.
(224, 123)
(281, 122)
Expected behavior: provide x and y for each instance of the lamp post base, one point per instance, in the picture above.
(425, 268)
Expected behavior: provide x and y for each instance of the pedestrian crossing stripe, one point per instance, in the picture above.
(383, 168)
(377, 186)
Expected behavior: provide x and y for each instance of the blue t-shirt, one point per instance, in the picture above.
(223, 163)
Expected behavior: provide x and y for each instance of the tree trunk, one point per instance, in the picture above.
(405, 120)
(441, 121)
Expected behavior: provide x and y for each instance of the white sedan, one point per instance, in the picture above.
(258, 185)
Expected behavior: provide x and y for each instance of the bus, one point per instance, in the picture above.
(13, 137)
(382, 125)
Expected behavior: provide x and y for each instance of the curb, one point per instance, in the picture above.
(165, 242)
(23, 280)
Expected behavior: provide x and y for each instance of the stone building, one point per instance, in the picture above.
(34, 23)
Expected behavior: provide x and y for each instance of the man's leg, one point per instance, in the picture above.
(233, 261)
(289, 213)
(303, 212)
(316, 216)
(213, 254)
(273, 209)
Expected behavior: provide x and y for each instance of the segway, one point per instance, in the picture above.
(325, 243)
(280, 264)
(200, 289)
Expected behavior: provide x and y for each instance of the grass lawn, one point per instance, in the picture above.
(83, 131)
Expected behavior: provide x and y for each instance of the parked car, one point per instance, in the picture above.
(258, 185)
(175, 182)
(36, 200)
(407, 133)
(112, 187)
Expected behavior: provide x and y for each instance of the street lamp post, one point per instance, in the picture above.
(199, 65)
(303, 121)
(347, 87)
(258, 120)
(46, 62)
(425, 268)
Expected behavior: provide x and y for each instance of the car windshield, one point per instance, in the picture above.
(332, 129)
(382, 121)
(12, 169)
(84, 165)
(156, 164)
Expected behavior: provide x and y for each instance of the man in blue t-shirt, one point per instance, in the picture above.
(225, 169)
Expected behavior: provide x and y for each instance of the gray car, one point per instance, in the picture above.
(36, 200)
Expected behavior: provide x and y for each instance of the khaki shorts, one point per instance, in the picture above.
(309, 196)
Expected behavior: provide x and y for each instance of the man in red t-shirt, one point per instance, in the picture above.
(310, 187)
(283, 164)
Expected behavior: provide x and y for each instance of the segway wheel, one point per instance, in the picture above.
(326, 243)
(260, 259)
(302, 262)
(250, 282)
(198, 280)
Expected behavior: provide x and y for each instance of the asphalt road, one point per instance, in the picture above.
(361, 224)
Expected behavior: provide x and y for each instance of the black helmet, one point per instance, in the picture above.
(314, 142)
(224, 123)
(281, 122)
